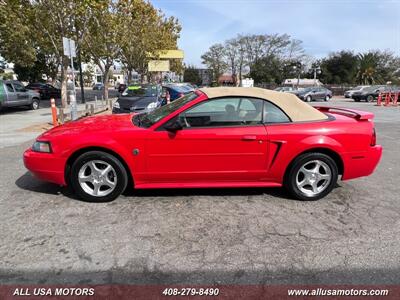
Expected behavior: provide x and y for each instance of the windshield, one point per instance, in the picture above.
(372, 88)
(149, 118)
(141, 91)
(180, 89)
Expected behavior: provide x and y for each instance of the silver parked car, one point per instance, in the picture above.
(349, 93)
(13, 93)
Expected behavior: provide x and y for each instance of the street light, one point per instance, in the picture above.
(316, 70)
(297, 66)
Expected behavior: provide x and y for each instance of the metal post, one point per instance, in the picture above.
(315, 75)
(61, 115)
(74, 113)
(81, 76)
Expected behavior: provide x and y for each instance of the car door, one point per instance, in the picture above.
(22, 93)
(11, 96)
(319, 93)
(221, 140)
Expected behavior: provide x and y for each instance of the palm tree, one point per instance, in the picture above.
(367, 68)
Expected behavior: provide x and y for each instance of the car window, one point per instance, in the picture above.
(18, 87)
(273, 114)
(9, 88)
(224, 112)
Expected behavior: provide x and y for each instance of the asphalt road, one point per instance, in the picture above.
(241, 236)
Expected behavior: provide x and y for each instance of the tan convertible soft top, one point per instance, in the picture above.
(296, 109)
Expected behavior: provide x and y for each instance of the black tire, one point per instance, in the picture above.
(369, 98)
(35, 104)
(356, 100)
(120, 172)
(291, 173)
(308, 98)
(327, 98)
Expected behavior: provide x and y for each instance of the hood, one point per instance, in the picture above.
(91, 124)
(131, 104)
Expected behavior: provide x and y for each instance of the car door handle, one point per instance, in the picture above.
(249, 138)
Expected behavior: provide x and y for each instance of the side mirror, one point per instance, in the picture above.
(173, 126)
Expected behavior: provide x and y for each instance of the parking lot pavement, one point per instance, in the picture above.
(253, 236)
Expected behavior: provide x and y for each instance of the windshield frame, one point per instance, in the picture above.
(189, 98)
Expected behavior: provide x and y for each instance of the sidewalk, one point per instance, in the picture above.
(20, 124)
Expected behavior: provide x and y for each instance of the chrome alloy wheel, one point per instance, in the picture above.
(97, 178)
(313, 177)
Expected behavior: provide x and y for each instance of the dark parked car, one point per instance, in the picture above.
(314, 93)
(13, 93)
(176, 91)
(145, 97)
(98, 87)
(368, 94)
(45, 90)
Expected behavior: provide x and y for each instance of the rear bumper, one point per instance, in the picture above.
(45, 166)
(361, 164)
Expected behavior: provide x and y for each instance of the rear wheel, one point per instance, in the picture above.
(35, 104)
(98, 176)
(311, 176)
(370, 98)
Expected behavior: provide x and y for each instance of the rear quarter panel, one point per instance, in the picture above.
(345, 136)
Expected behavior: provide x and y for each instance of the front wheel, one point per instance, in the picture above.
(308, 99)
(311, 176)
(370, 98)
(98, 176)
(35, 104)
(327, 98)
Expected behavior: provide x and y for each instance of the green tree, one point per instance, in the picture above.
(214, 59)
(339, 67)
(191, 74)
(147, 31)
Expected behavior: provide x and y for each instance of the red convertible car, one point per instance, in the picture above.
(212, 137)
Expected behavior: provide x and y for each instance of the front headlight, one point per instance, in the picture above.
(152, 105)
(116, 105)
(39, 146)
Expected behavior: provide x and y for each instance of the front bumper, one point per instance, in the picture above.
(45, 166)
(361, 164)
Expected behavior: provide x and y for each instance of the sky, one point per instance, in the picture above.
(324, 26)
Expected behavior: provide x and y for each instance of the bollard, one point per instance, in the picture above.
(86, 109)
(73, 107)
(110, 104)
(61, 115)
(388, 98)
(54, 112)
(379, 101)
(396, 98)
(91, 109)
